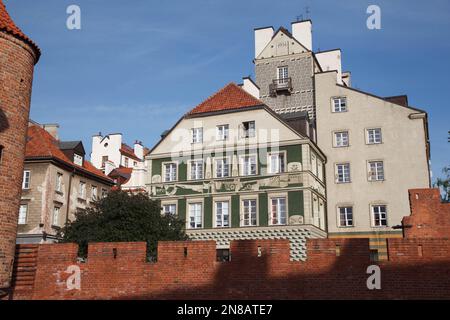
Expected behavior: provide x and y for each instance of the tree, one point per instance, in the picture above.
(122, 217)
(444, 184)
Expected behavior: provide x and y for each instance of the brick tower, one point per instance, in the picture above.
(18, 55)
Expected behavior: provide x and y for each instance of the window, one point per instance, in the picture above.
(126, 162)
(376, 171)
(56, 211)
(343, 172)
(197, 135)
(222, 214)
(341, 139)
(222, 255)
(78, 160)
(345, 216)
(59, 182)
(379, 215)
(222, 168)
(104, 193)
(248, 165)
(170, 172)
(26, 179)
(276, 162)
(278, 211)
(82, 190)
(135, 163)
(104, 160)
(23, 210)
(248, 213)
(374, 136)
(170, 209)
(248, 129)
(283, 75)
(340, 104)
(222, 132)
(195, 215)
(1, 153)
(94, 193)
(197, 169)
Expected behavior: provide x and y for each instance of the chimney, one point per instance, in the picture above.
(330, 60)
(262, 39)
(249, 85)
(52, 128)
(302, 32)
(139, 149)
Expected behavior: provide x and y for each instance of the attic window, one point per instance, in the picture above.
(78, 160)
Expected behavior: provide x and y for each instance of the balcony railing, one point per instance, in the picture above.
(279, 85)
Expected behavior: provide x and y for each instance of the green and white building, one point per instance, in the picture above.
(232, 168)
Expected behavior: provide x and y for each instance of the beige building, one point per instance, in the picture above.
(57, 181)
(376, 148)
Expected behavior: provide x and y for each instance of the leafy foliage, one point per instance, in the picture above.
(123, 217)
(444, 184)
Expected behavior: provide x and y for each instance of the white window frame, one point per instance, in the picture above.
(376, 174)
(242, 219)
(373, 213)
(222, 132)
(59, 182)
(164, 164)
(82, 190)
(251, 132)
(56, 215)
(198, 219)
(346, 214)
(279, 163)
(26, 182)
(220, 212)
(23, 215)
(190, 163)
(244, 169)
(126, 161)
(94, 193)
(78, 160)
(197, 135)
(282, 75)
(344, 164)
(104, 193)
(216, 167)
(371, 132)
(338, 136)
(278, 205)
(169, 205)
(340, 108)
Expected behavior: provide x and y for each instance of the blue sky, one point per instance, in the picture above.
(136, 66)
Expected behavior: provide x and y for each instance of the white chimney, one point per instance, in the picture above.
(331, 60)
(249, 85)
(52, 128)
(302, 32)
(262, 39)
(139, 149)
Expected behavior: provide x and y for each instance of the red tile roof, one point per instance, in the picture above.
(128, 151)
(230, 97)
(41, 144)
(7, 25)
(122, 174)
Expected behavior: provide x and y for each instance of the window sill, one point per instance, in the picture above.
(59, 192)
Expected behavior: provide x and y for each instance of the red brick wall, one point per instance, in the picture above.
(16, 74)
(335, 268)
(430, 218)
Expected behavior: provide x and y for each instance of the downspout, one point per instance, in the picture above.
(68, 195)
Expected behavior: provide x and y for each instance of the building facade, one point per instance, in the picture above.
(124, 164)
(18, 55)
(376, 148)
(233, 169)
(57, 181)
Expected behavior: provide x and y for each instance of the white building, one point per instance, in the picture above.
(125, 164)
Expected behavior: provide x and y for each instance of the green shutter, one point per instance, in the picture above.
(235, 212)
(182, 209)
(263, 210)
(208, 212)
(295, 203)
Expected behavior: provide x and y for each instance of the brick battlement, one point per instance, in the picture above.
(259, 269)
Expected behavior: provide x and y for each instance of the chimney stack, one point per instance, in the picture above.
(262, 39)
(302, 32)
(53, 129)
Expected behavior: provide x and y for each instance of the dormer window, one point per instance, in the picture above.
(78, 160)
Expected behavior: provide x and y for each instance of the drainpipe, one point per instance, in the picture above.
(68, 194)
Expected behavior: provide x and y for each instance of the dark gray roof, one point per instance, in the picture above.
(68, 145)
(294, 115)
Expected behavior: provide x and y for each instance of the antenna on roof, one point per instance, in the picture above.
(299, 18)
(307, 12)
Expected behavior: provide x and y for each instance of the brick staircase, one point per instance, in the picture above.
(24, 270)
